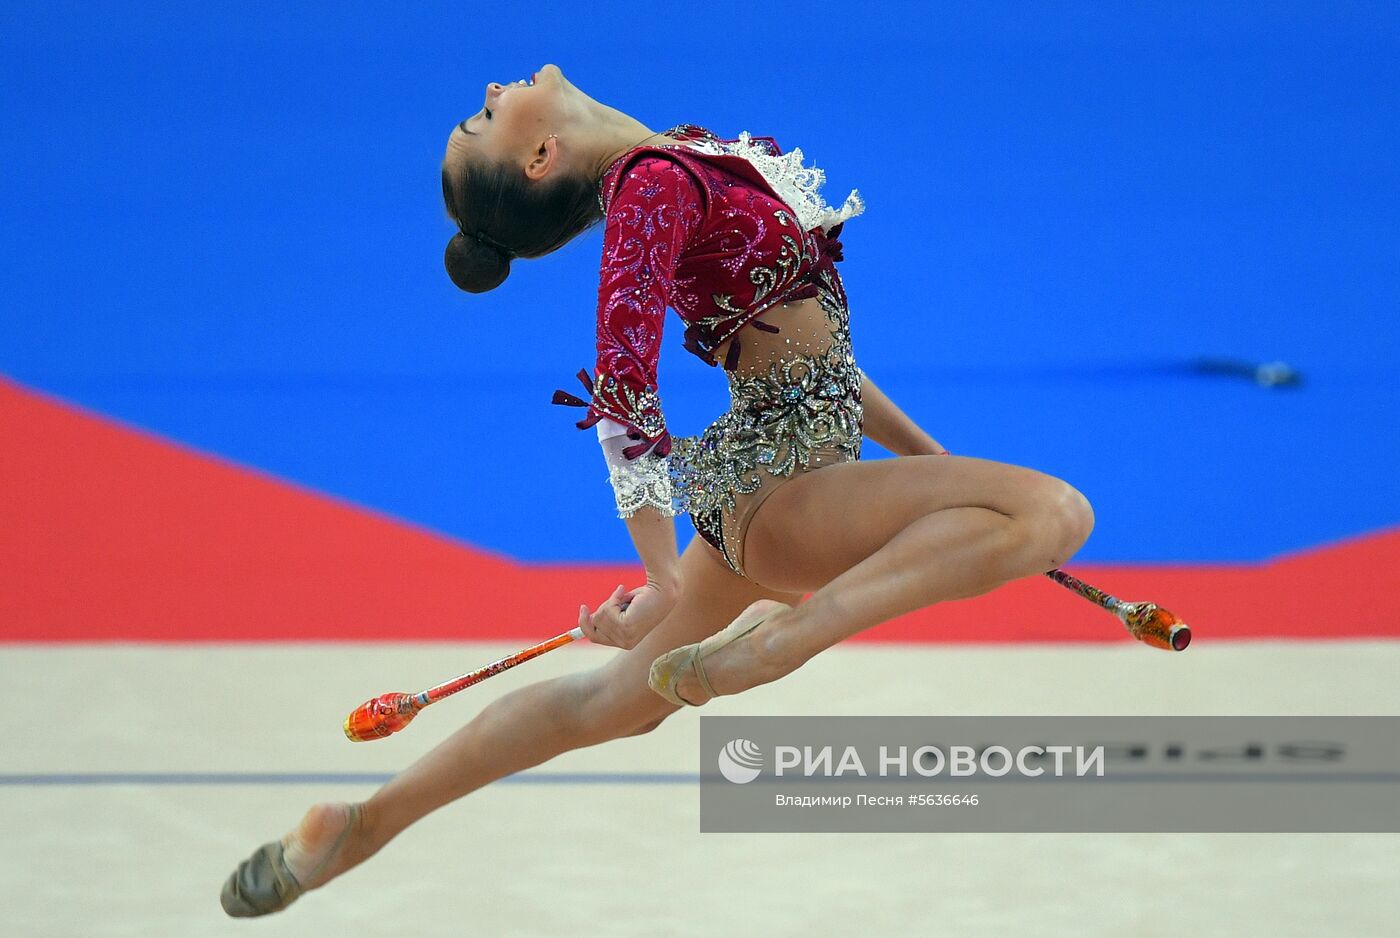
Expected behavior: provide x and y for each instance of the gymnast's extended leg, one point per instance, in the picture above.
(522, 729)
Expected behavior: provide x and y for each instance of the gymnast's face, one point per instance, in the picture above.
(515, 123)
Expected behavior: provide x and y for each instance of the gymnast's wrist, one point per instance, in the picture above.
(665, 580)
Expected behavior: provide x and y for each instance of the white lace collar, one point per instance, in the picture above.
(797, 185)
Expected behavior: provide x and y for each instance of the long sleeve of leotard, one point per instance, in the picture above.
(654, 214)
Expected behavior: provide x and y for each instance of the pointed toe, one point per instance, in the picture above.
(261, 885)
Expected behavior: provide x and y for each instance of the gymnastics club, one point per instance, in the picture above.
(389, 713)
(1147, 622)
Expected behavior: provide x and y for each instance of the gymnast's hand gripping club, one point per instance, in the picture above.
(389, 713)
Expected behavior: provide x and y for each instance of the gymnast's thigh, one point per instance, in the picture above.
(746, 506)
(822, 523)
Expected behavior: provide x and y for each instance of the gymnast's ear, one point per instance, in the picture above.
(546, 158)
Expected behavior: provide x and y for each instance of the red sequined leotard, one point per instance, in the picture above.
(722, 231)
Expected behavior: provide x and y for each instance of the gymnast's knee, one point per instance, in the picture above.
(1068, 520)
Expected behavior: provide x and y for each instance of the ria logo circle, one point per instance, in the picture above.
(740, 761)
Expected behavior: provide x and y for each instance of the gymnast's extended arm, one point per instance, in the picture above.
(889, 426)
(642, 486)
(654, 214)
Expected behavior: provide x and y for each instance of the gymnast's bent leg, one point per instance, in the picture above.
(876, 540)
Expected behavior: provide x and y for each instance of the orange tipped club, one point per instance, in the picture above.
(380, 717)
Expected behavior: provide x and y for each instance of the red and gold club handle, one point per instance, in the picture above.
(1147, 622)
(386, 714)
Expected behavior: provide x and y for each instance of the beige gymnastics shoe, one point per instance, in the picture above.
(264, 883)
(667, 670)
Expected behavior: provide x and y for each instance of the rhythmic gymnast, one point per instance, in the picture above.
(735, 236)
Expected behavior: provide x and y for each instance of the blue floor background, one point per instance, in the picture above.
(224, 225)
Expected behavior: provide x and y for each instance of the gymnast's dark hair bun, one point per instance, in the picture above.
(475, 266)
(500, 215)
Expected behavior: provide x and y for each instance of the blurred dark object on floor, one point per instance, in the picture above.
(1265, 374)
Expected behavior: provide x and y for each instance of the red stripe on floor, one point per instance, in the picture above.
(111, 533)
